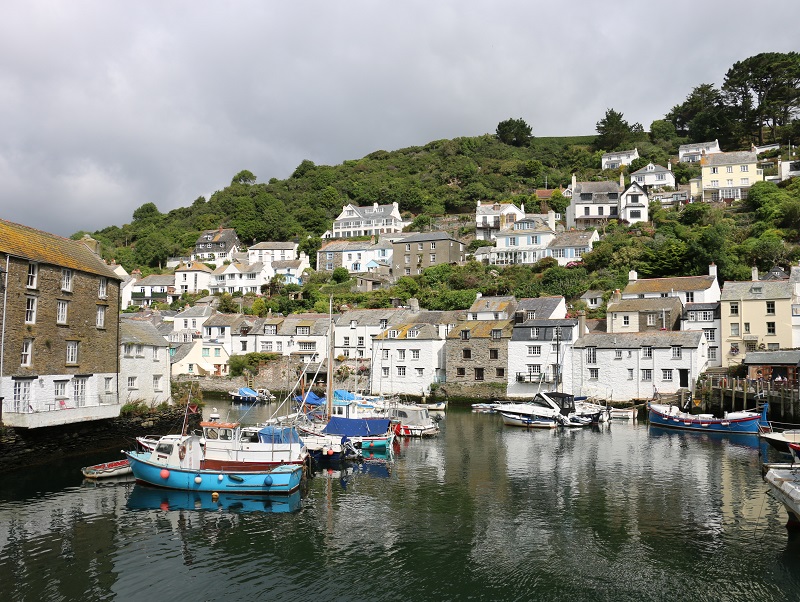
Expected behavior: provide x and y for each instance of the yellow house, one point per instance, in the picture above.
(756, 315)
(728, 176)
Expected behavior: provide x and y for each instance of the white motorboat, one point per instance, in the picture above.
(547, 410)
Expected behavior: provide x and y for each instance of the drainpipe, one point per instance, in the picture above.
(3, 334)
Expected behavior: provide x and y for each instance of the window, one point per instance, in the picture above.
(79, 391)
(647, 352)
(346, 342)
(102, 289)
(630, 373)
(72, 352)
(100, 319)
(384, 354)
(626, 320)
(715, 170)
(534, 333)
(266, 346)
(706, 316)
(734, 329)
(217, 351)
(190, 368)
(534, 350)
(466, 354)
(744, 182)
(415, 354)
(771, 308)
(392, 334)
(773, 346)
(734, 308)
(384, 323)
(303, 330)
(30, 310)
(750, 345)
(494, 354)
(496, 332)
(690, 297)
(676, 352)
(61, 312)
(156, 353)
(734, 348)
(500, 372)
(27, 351)
(591, 355)
(139, 350)
(478, 373)
(465, 335)
(131, 382)
(385, 372)
(461, 372)
(22, 395)
(512, 241)
(729, 168)
(60, 388)
(433, 246)
(401, 354)
(304, 346)
(419, 371)
(771, 328)
(714, 183)
(711, 334)
(747, 327)
(156, 382)
(618, 354)
(651, 319)
(743, 168)
(33, 273)
(585, 210)
(647, 374)
(712, 353)
(401, 370)
(360, 341)
(66, 280)
(279, 346)
(594, 373)
(666, 375)
(636, 213)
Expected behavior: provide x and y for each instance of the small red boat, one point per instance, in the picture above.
(109, 469)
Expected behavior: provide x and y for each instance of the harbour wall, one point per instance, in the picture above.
(29, 447)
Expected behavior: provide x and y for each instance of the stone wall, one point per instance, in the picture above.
(29, 447)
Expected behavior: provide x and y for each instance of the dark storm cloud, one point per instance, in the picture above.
(106, 106)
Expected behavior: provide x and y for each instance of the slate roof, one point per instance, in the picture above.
(425, 236)
(572, 238)
(35, 245)
(198, 311)
(656, 169)
(181, 351)
(380, 210)
(370, 317)
(278, 246)
(746, 290)
(194, 266)
(339, 246)
(494, 208)
(696, 146)
(593, 293)
(424, 331)
(493, 304)
(156, 280)
(632, 340)
(701, 306)
(226, 235)
(736, 157)
(286, 264)
(619, 153)
(141, 333)
(603, 187)
(789, 357)
(646, 305)
(666, 285)
(543, 306)
(482, 329)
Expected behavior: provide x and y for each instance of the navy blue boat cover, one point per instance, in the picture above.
(357, 427)
(278, 434)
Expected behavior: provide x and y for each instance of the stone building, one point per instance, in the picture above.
(60, 337)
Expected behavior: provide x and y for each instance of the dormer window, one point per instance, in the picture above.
(384, 323)
(465, 335)
(412, 334)
(303, 330)
(531, 314)
(392, 334)
(757, 290)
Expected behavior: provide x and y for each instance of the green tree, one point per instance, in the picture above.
(558, 202)
(244, 177)
(146, 212)
(614, 132)
(340, 275)
(514, 132)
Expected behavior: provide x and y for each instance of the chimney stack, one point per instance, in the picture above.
(712, 269)
(633, 276)
(581, 323)
(755, 274)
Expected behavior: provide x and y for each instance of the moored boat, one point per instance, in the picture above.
(784, 483)
(176, 463)
(744, 422)
(246, 394)
(548, 410)
(780, 440)
(117, 468)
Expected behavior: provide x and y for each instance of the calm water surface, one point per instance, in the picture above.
(483, 512)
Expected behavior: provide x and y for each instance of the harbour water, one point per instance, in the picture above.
(482, 512)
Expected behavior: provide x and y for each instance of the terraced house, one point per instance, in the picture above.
(59, 330)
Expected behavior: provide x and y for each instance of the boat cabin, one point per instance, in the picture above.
(223, 431)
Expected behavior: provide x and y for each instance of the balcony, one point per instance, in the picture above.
(55, 412)
(526, 377)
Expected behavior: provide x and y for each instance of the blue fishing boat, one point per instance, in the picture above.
(175, 463)
(744, 422)
(143, 497)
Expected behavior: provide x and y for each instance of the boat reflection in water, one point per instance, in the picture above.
(737, 440)
(143, 497)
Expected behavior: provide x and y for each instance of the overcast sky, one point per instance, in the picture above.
(105, 106)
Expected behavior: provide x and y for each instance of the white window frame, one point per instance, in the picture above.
(33, 275)
(100, 318)
(31, 304)
(102, 287)
(72, 352)
(66, 280)
(62, 311)
(26, 357)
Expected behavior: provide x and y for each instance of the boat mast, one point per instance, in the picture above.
(329, 389)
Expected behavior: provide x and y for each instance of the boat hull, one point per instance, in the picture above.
(747, 425)
(108, 470)
(527, 421)
(785, 487)
(283, 479)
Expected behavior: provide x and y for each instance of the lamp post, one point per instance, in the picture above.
(4, 289)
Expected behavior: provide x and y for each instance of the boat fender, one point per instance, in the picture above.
(236, 478)
(219, 478)
(164, 473)
(181, 451)
(198, 479)
(268, 480)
